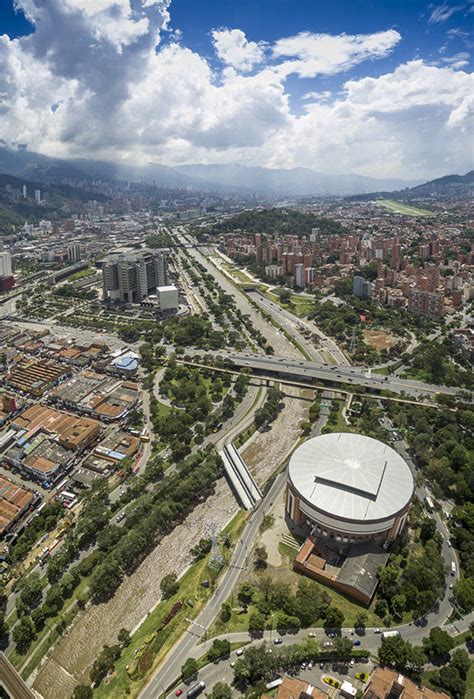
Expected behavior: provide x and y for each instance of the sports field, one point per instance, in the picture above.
(398, 208)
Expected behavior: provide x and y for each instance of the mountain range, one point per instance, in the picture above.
(238, 178)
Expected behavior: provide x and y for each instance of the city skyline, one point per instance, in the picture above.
(374, 91)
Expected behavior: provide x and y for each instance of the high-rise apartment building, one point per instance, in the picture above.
(130, 277)
(38, 196)
(74, 252)
(299, 275)
(5, 264)
(362, 288)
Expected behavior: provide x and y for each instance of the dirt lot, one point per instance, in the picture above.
(70, 661)
(380, 339)
(267, 449)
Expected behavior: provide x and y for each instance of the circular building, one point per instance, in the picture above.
(349, 488)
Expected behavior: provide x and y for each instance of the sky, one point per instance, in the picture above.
(384, 89)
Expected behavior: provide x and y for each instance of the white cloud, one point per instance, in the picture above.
(316, 54)
(233, 48)
(441, 13)
(90, 82)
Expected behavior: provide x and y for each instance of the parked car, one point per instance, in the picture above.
(277, 641)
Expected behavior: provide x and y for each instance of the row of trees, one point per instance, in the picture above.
(259, 664)
(443, 447)
(265, 415)
(154, 514)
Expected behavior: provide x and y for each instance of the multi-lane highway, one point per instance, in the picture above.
(296, 326)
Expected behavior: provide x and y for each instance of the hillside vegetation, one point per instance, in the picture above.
(280, 221)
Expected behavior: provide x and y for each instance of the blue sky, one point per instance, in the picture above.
(380, 88)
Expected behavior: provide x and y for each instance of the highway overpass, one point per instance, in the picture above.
(310, 372)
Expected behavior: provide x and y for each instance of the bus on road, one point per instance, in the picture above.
(390, 634)
(194, 691)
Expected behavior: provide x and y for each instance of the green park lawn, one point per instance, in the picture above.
(399, 208)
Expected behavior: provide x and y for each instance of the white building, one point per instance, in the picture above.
(299, 275)
(38, 196)
(168, 297)
(5, 264)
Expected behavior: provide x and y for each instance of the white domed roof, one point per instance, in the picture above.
(351, 476)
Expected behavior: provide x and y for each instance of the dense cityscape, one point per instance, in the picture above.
(236, 415)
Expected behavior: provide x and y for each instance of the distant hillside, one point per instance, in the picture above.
(294, 182)
(281, 221)
(458, 186)
(229, 178)
(455, 184)
(14, 210)
(34, 166)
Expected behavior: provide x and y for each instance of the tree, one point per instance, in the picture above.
(219, 649)
(246, 591)
(226, 612)
(334, 618)
(287, 622)
(32, 591)
(104, 663)
(23, 634)
(438, 644)
(124, 638)
(256, 623)
(460, 660)
(427, 530)
(105, 579)
(464, 593)
(82, 691)
(189, 670)
(361, 620)
(343, 646)
(261, 557)
(221, 690)
(169, 585)
(450, 679)
(401, 655)
(381, 607)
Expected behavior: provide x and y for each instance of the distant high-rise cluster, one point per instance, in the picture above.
(131, 276)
